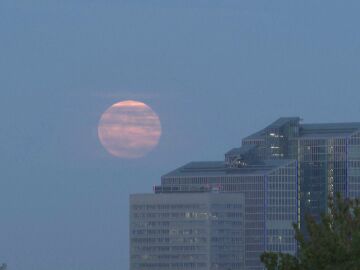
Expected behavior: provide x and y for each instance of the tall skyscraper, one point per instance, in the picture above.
(328, 158)
(279, 174)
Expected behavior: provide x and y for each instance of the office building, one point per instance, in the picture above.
(187, 231)
(328, 158)
(269, 191)
(282, 172)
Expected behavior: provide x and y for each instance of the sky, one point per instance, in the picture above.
(214, 71)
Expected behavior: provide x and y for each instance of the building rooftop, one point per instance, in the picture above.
(213, 168)
(309, 130)
(241, 150)
(241, 161)
(275, 125)
(332, 129)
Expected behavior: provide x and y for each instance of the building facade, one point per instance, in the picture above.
(270, 190)
(328, 158)
(282, 173)
(187, 231)
(269, 193)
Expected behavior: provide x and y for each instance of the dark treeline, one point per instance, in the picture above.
(333, 243)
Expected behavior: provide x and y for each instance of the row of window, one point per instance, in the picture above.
(167, 206)
(254, 181)
(174, 215)
(169, 265)
(280, 240)
(227, 240)
(149, 240)
(281, 209)
(162, 249)
(281, 201)
(283, 232)
(282, 186)
(173, 257)
(282, 216)
(281, 194)
(291, 248)
(170, 232)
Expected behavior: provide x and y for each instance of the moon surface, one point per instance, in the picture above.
(129, 129)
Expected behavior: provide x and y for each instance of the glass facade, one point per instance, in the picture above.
(282, 173)
(253, 189)
(328, 159)
(271, 201)
(323, 172)
(187, 231)
(281, 209)
(353, 166)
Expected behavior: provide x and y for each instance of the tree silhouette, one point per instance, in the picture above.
(332, 243)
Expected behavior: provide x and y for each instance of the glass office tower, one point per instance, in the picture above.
(282, 172)
(328, 158)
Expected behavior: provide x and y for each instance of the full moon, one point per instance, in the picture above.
(129, 129)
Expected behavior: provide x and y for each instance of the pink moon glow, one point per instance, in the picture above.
(129, 129)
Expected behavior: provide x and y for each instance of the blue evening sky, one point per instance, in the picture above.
(214, 71)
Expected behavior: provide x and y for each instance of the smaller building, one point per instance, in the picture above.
(199, 230)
